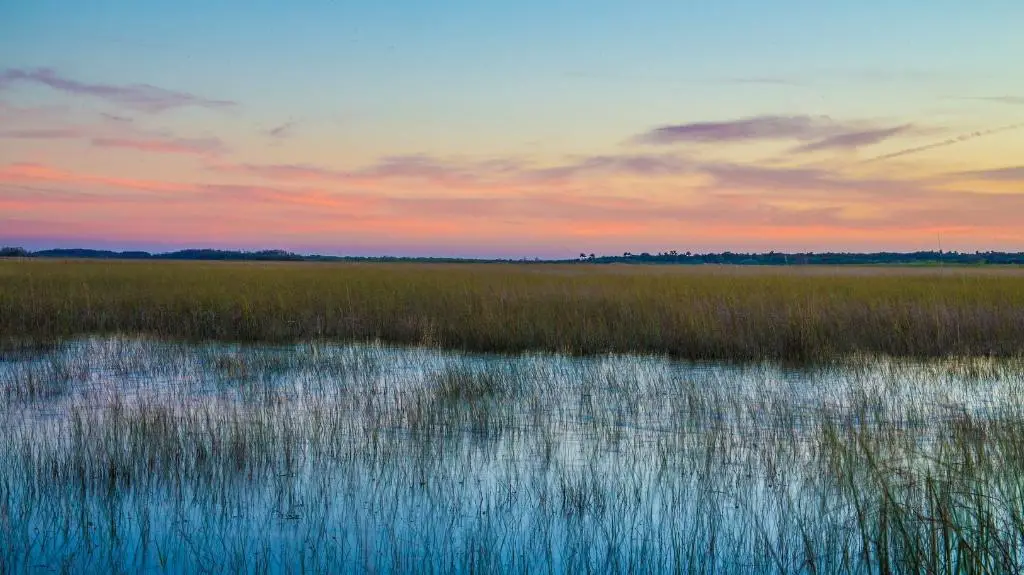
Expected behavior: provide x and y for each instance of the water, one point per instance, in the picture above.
(136, 455)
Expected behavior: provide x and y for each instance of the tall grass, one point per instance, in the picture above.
(705, 313)
(169, 458)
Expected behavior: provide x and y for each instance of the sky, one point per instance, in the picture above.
(536, 128)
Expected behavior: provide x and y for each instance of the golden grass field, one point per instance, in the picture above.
(707, 312)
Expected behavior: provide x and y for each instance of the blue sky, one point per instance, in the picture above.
(349, 84)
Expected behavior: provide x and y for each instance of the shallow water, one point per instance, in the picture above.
(138, 455)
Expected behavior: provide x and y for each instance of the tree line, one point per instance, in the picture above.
(667, 257)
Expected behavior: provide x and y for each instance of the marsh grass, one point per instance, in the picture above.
(319, 458)
(708, 313)
(214, 420)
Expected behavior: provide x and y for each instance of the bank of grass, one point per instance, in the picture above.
(795, 314)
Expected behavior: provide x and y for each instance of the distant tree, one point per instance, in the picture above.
(13, 252)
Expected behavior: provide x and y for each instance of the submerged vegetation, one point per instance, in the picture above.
(131, 455)
(721, 313)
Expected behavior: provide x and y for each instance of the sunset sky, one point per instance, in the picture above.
(512, 129)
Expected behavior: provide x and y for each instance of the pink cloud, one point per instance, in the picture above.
(303, 204)
(41, 134)
(195, 146)
(498, 174)
(30, 172)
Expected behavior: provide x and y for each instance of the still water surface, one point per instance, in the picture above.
(129, 455)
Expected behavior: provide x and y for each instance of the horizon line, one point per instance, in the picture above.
(270, 254)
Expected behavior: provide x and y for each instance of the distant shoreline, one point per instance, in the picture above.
(921, 258)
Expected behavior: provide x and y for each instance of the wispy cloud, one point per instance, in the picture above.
(142, 97)
(41, 134)
(854, 140)
(118, 132)
(1000, 99)
(195, 146)
(282, 131)
(640, 192)
(947, 142)
(804, 183)
(819, 133)
(420, 166)
(748, 202)
(297, 172)
(116, 118)
(726, 193)
(424, 170)
(643, 165)
(512, 207)
(743, 129)
(23, 172)
(1010, 174)
(790, 183)
(456, 173)
(10, 113)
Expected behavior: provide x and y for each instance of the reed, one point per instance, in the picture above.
(792, 314)
(163, 457)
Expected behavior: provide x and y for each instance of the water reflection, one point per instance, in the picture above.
(129, 455)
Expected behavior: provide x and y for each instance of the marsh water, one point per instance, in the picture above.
(135, 455)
